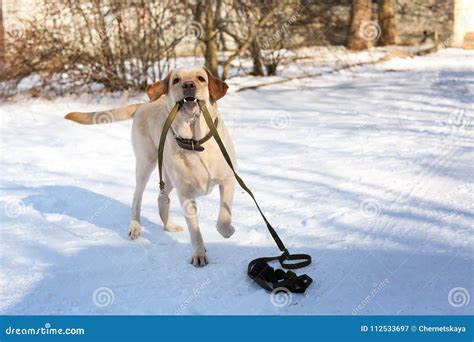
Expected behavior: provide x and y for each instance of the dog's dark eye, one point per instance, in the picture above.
(201, 79)
(176, 80)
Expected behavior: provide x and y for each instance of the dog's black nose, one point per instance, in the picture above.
(189, 85)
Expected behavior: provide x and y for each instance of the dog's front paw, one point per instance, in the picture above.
(199, 258)
(134, 229)
(226, 230)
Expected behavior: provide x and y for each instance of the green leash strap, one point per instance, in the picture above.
(216, 136)
(161, 147)
(258, 269)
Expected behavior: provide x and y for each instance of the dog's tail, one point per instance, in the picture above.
(107, 116)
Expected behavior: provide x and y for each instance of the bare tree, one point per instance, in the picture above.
(117, 44)
(277, 37)
(2, 37)
(245, 44)
(127, 44)
(207, 15)
(257, 58)
(239, 21)
(211, 22)
(386, 14)
(360, 14)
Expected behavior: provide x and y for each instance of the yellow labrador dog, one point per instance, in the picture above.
(192, 164)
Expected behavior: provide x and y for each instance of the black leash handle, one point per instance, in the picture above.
(293, 283)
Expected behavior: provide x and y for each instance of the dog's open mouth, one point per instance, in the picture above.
(190, 104)
(189, 99)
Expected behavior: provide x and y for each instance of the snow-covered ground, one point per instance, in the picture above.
(370, 172)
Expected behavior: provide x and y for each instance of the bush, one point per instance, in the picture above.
(73, 44)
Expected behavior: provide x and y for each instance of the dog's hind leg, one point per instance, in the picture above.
(143, 171)
(164, 208)
(226, 190)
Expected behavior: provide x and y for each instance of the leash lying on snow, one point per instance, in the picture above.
(259, 270)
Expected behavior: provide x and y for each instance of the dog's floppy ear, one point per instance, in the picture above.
(217, 88)
(158, 88)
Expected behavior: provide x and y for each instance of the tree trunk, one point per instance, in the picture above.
(386, 12)
(210, 40)
(257, 58)
(2, 38)
(360, 15)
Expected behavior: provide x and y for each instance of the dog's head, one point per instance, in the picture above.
(189, 85)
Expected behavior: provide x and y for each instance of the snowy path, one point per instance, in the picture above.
(371, 173)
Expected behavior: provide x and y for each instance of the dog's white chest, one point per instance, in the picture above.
(193, 172)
